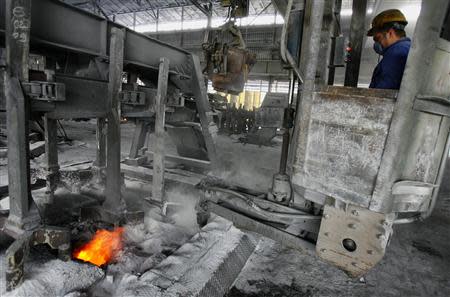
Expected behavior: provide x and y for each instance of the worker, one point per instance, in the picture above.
(390, 41)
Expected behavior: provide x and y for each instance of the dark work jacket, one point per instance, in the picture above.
(389, 72)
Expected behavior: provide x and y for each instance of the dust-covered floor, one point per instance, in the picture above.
(417, 262)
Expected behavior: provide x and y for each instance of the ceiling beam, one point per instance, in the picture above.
(200, 7)
(152, 10)
(96, 5)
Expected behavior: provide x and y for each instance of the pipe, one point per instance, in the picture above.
(408, 220)
(288, 119)
(287, 125)
(303, 117)
(255, 206)
(336, 29)
(357, 35)
(284, 149)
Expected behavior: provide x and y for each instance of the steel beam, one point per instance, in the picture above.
(335, 32)
(303, 118)
(246, 223)
(85, 98)
(357, 34)
(53, 25)
(209, 128)
(113, 176)
(325, 43)
(160, 108)
(100, 159)
(17, 51)
(51, 152)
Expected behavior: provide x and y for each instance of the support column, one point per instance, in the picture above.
(303, 116)
(335, 29)
(113, 176)
(209, 128)
(17, 55)
(51, 152)
(325, 43)
(160, 109)
(357, 34)
(208, 26)
(100, 161)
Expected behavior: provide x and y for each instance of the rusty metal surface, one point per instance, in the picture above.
(16, 254)
(370, 232)
(345, 142)
(56, 238)
(15, 258)
(232, 69)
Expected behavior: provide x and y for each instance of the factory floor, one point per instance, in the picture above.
(417, 261)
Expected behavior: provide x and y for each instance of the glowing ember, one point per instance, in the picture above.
(102, 248)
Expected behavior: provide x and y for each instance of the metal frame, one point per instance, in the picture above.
(53, 32)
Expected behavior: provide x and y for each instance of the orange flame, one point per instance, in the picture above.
(103, 247)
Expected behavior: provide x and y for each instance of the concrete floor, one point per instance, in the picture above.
(417, 262)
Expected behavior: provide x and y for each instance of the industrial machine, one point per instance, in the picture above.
(95, 69)
(354, 163)
(228, 62)
(358, 161)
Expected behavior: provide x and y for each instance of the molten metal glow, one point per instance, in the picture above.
(102, 248)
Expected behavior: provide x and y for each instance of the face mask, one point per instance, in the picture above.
(378, 48)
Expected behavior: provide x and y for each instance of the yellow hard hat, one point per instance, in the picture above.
(386, 17)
